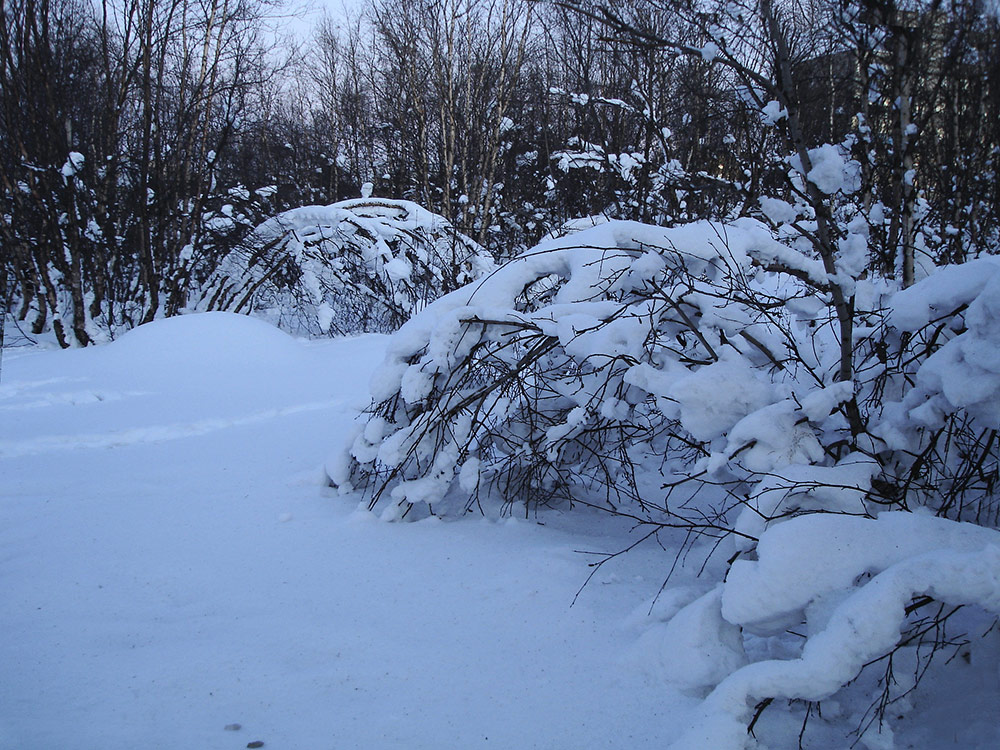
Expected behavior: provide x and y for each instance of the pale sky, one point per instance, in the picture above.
(303, 16)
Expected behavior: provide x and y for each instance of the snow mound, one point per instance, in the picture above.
(212, 341)
(209, 367)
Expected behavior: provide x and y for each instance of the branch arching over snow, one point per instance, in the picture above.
(821, 555)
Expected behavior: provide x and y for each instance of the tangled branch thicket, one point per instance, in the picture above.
(552, 378)
(357, 265)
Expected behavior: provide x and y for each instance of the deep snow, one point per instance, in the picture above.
(171, 563)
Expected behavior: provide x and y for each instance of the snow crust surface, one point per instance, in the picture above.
(173, 563)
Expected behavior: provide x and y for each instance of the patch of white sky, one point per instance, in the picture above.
(302, 18)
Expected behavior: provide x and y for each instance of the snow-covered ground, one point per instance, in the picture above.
(172, 564)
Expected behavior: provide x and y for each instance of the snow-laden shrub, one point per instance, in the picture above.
(692, 378)
(558, 374)
(856, 592)
(840, 587)
(359, 265)
(939, 430)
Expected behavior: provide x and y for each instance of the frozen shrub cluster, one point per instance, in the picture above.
(359, 265)
(693, 378)
(550, 378)
(864, 592)
(560, 374)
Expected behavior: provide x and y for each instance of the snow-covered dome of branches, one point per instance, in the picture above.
(365, 264)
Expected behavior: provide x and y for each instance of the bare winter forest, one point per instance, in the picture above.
(143, 141)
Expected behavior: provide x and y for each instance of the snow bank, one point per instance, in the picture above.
(216, 341)
(211, 368)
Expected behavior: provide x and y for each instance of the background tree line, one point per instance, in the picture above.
(141, 140)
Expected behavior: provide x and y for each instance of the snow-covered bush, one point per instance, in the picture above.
(855, 592)
(692, 378)
(359, 265)
(940, 426)
(564, 370)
